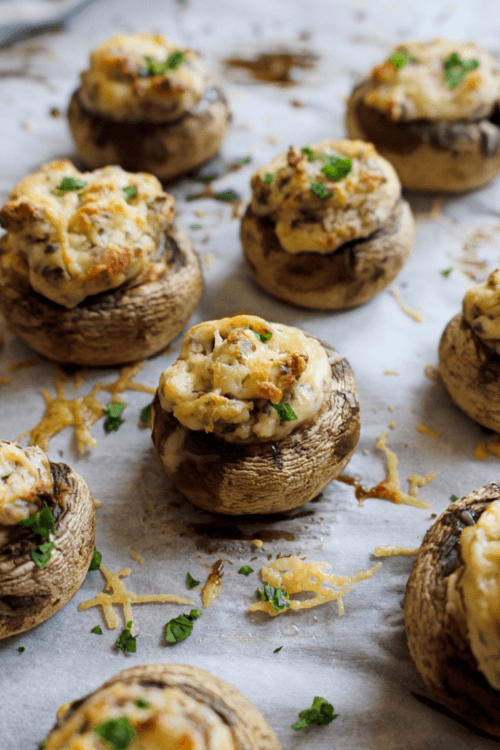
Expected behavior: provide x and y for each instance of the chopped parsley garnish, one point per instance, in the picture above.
(253, 558)
(157, 68)
(321, 712)
(113, 413)
(97, 630)
(42, 523)
(116, 733)
(145, 414)
(245, 160)
(285, 412)
(191, 583)
(195, 226)
(21, 649)
(320, 190)
(447, 271)
(309, 153)
(68, 185)
(263, 337)
(130, 191)
(277, 650)
(454, 498)
(95, 563)
(245, 570)
(336, 168)
(269, 178)
(227, 195)
(127, 641)
(278, 598)
(41, 554)
(400, 57)
(455, 69)
(179, 628)
(141, 703)
(206, 178)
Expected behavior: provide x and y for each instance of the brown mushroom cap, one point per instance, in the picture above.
(264, 477)
(249, 728)
(429, 155)
(118, 326)
(470, 371)
(165, 149)
(436, 631)
(29, 595)
(349, 276)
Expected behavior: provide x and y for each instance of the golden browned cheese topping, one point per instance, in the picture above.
(413, 82)
(142, 77)
(24, 479)
(312, 211)
(74, 234)
(480, 546)
(151, 718)
(227, 378)
(481, 308)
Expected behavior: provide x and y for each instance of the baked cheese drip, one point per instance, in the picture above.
(155, 718)
(127, 81)
(481, 308)
(346, 209)
(226, 379)
(418, 89)
(75, 234)
(25, 479)
(480, 546)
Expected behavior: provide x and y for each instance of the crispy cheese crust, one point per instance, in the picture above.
(481, 308)
(88, 239)
(417, 89)
(352, 208)
(24, 479)
(121, 84)
(226, 379)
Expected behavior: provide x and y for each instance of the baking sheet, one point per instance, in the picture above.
(359, 662)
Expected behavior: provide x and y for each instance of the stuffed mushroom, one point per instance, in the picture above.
(432, 110)
(452, 609)
(159, 706)
(47, 533)
(148, 105)
(327, 228)
(469, 354)
(92, 270)
(254, 417)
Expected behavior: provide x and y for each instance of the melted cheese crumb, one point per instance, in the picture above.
(25, 482)
(481, 309)
(481, 451)
(416, 315)
(390, 488)
(427, 431)
(417, 480)
(226, 379)
(296, 576)
(211, 590)
(390, 550)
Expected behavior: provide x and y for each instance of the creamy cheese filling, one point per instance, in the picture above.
(103, 230)
(154, 718)
(128, 81)
(317, 214)
(226, 379)
(481, 309)
(24, 479)
(411, 83)
(480, 545)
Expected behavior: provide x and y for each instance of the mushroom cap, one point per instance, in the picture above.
(428, 155)
(437, 631)
(249, 728)
(29, 595)
(470, 371)
(347, 277)
(114, 327)
(166, 149)
(263, 477)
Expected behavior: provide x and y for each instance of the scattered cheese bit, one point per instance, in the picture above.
(213, 586)
(125, 598)
(136, 556)
(273, 139)
(389, 551)
(417, 316)
(125, 382)
(208, 260)
(375, 410)
(427, 431)
(416, 481)
(481, 451)
(15, 366)
(390, 408)
(296, 576)
(494, 446)
(258, 543)
(97, 503)
(365, 451)
(390, 488)
(392, 425)
(391, 372)
(437, 205)
(432, 372)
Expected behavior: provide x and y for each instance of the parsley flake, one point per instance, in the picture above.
(285, 412)
(141, 703)
(269, 178)
(309, 153)
(41, 554)
(320, 190)
(67, 185)
(95, 563)
(156, 68)
(245, 570)
(454, 498)
(400, 57)
(336, 168)
(245, 160)
(179, 628)
(130, 191)
(455, 69)
(277, 650)
(21, 649)
(145, 414)
(195, 226)
(253, 558)
(42, 523)
(97, 630)
(263, 337)
(227, 195)
(206, 178)
(447, 272)
(191, 583)
(321, 712)
(112, 413)
(127, 641)
(278, 598)
(116, 733)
